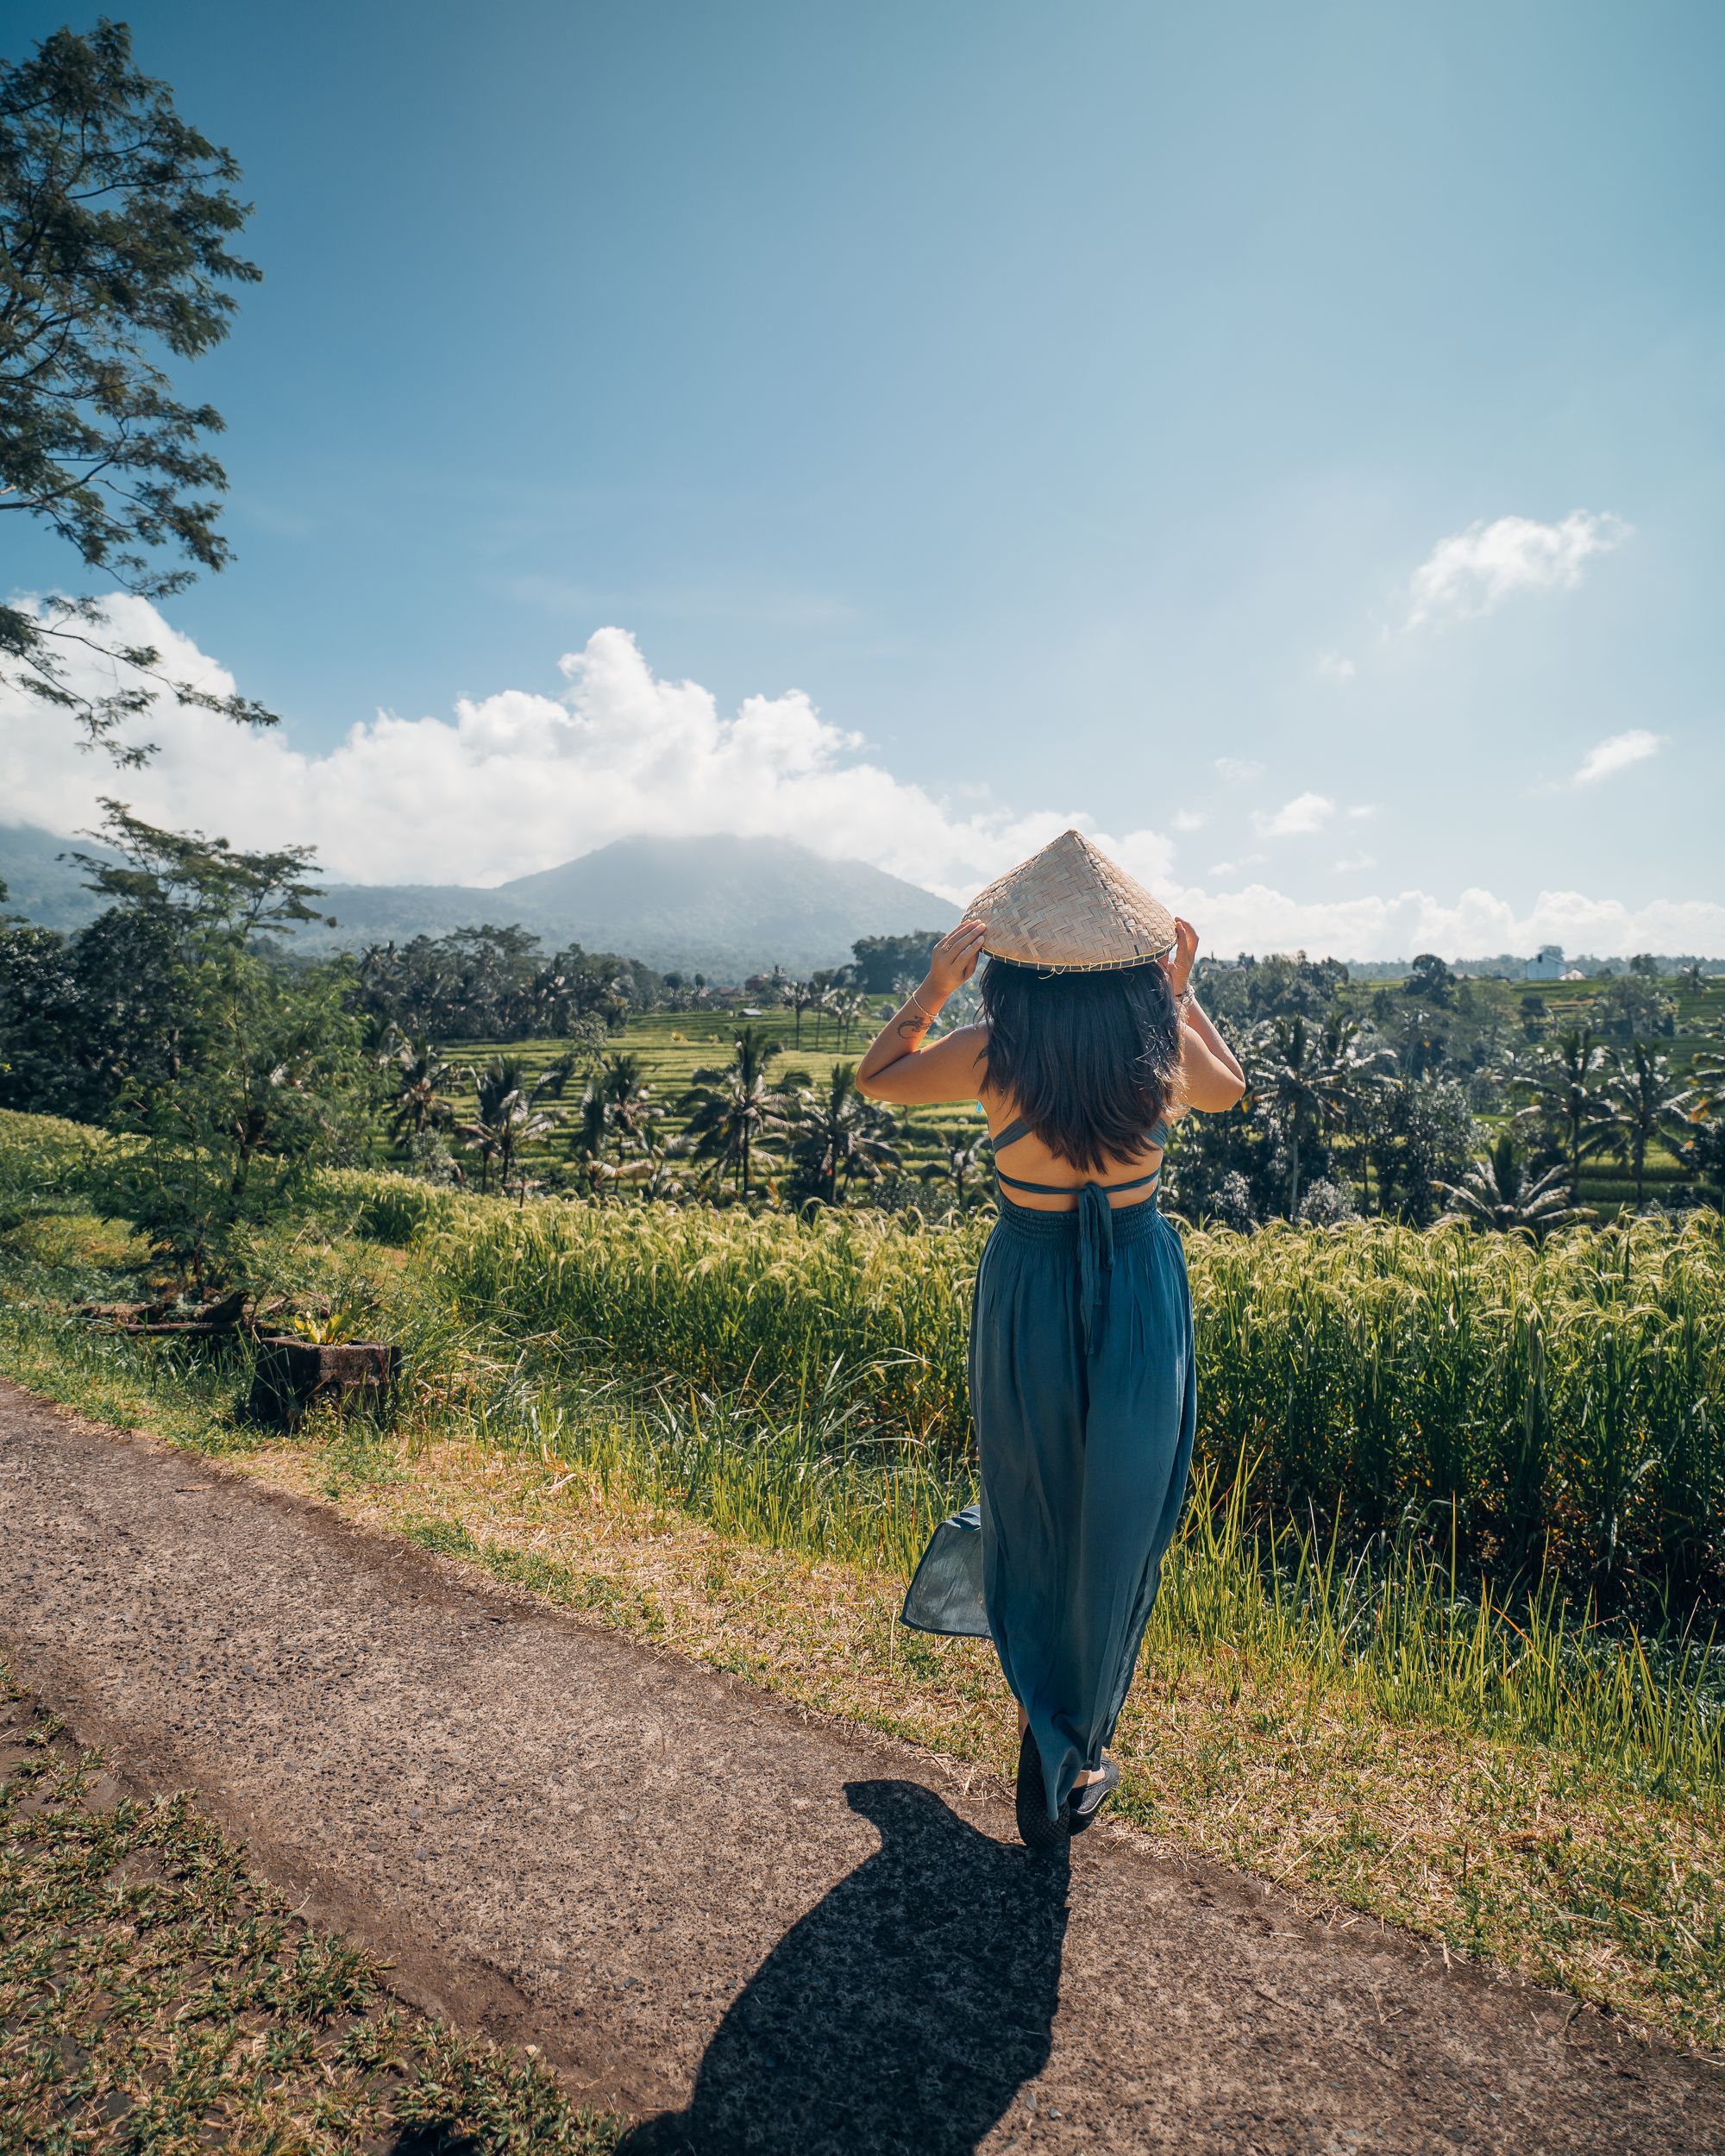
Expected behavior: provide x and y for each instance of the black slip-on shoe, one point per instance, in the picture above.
(1084, 1804)
(1036, 1829)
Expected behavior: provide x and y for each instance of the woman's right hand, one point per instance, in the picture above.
(1178, 962)
(954, 957)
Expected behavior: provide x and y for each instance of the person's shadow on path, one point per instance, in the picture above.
(903, 2013)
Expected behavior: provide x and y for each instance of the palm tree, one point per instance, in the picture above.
(844, 1134)
(1350, 1076)
(800, 995)
(418, 1105)
(586, 1139)
(1706, 1093)
(629, 1101)
(1568, 1092)
(1641, 1105)
(506, 1120)
(848, 1010)
(1703, 1103)
(1498, 1192)
(1289, 1078)
(730, 1110)
(964, 1162)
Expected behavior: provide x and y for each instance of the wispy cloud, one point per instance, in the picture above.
(1475, 570)
(1334, 667)
(1294, 819)
(1617, 752)
(1350, 864)
(1239, 770)
(1190, 820)
(1234, 868)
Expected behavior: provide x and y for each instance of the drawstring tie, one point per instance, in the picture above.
(1095, 1260)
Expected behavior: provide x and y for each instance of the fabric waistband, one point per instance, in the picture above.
(1130, 1223)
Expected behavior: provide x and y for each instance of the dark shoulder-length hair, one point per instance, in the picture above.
(1091, 1058)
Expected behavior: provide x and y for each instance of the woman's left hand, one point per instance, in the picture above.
(954, 957)
(1178, 962)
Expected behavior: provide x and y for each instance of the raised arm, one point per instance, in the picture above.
(1211, 1079)
(898, 1068)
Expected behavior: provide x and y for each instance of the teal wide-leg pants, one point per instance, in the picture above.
(1082, 1390)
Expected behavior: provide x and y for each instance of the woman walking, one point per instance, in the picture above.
(1080, 1347)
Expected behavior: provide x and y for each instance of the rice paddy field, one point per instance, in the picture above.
(1436, 1638)
(672, 1045)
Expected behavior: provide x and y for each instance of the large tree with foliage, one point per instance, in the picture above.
(117, 223)
(115, 1012)
(877, 961)
(274, 1084)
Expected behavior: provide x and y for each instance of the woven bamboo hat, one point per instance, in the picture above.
(1068, 909)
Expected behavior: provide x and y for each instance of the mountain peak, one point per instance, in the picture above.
(720, 904)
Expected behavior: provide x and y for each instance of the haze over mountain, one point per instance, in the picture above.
(722, 906)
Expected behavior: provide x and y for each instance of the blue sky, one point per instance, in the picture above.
(1289, 440)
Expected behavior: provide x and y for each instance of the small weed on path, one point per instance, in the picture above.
(155, 1996)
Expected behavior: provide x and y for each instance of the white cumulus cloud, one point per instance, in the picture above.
(1305, 812)
(521, 779)
(1239, 770)
(1475, 570)
(1477, 924)
(1617, 752)
(1334, 667)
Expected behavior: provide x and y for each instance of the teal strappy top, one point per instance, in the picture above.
(1019, 1127)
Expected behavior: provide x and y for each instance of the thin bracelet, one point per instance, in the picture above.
(931, 1018)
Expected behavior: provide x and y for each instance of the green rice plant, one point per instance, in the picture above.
(1422, 1643)
(728, 1298)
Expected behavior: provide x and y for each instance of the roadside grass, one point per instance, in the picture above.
(156, 1996)
(1367, 1739)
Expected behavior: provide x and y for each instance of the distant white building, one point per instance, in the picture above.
(1548, 966)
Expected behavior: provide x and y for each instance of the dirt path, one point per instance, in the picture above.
(781, 1934)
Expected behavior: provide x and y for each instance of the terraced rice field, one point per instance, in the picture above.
(672, 1045)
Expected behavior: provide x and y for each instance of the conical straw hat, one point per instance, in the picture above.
(1068, 909)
